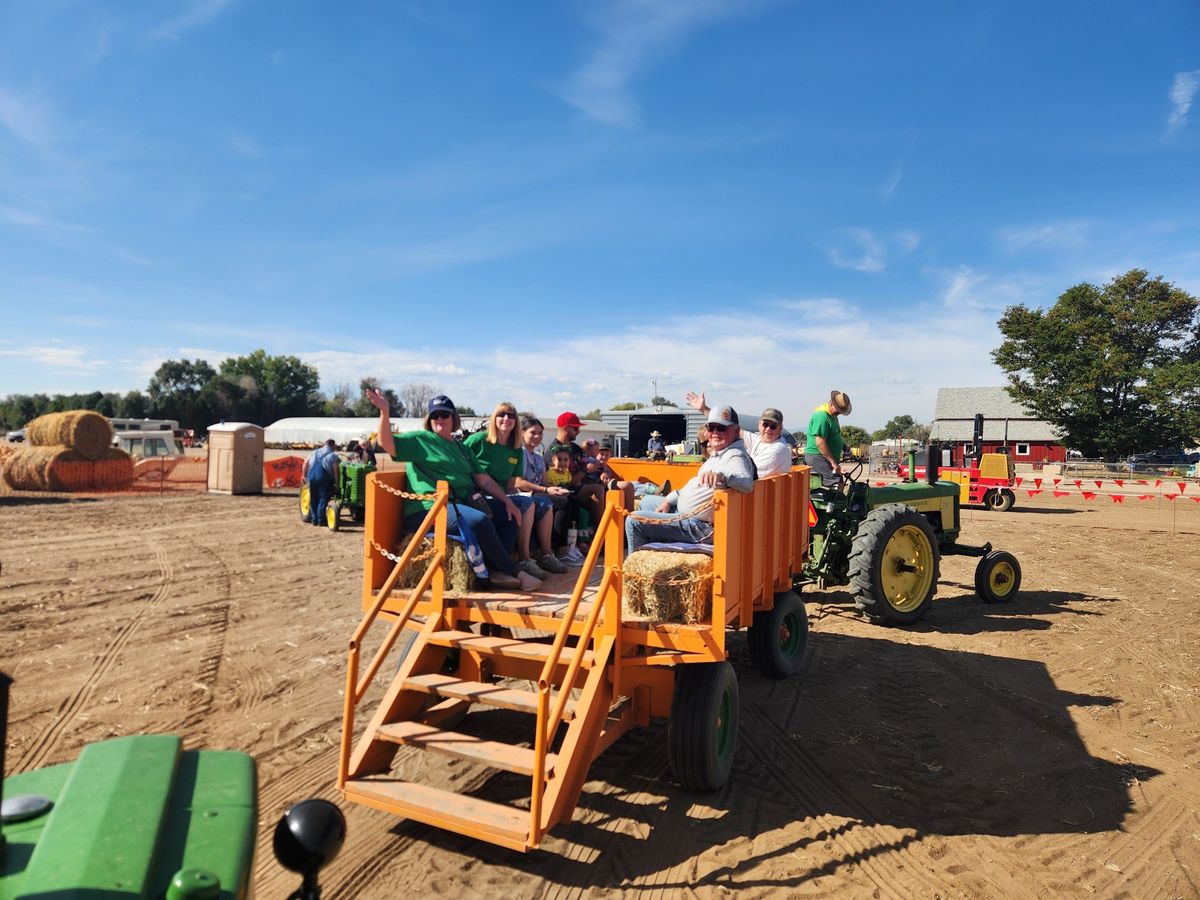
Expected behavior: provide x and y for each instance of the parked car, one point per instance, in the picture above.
(1161, 458)
(15, 437)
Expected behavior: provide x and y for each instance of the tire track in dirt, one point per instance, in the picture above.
(215, 614)
(43, 745)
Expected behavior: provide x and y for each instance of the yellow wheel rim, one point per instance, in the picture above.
(331, 515)
(906, 574)
(1002, 578)
(305, 501)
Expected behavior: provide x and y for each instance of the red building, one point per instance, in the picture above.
(1005, 424)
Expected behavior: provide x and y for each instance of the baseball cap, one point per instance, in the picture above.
(723, 415)
(569, 420)
(440, 402)
(771, 414)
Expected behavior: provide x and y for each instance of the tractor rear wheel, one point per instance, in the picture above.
(305, 503)
(778, 638)
(894, 565)
(999, 499)
(998, 577)
(702, 734)
(333, 511)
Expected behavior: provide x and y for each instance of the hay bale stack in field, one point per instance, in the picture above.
(668, 586)
(64, 469)
(87, 433)
(6, 450)
(460, 577)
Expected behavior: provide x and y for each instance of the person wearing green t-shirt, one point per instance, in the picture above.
(433, 455)
(501, 455)
(823, 450)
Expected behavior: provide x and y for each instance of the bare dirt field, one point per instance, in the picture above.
(1042, 748)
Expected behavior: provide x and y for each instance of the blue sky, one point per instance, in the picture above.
(559, 203)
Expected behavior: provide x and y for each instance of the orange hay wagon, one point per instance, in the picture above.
(596, 670)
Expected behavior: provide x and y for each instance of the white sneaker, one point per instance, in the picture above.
(573, 558)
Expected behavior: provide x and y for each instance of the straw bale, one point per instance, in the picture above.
(86, 432)
(667, 586)
(460, 577)
(63, 469)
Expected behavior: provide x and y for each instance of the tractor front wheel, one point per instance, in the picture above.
(333, 511)
(894, 565)
(998, 577)
(1000, 499)
(702, 734)
(305, 503)
(778, 638)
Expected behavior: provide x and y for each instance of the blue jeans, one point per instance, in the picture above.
(646, 530)
(494, 553)
(320, 492)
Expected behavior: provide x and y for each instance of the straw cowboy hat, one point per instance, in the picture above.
(841, 402)
(656, 434)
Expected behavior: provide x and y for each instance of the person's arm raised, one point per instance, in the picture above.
(380, 402)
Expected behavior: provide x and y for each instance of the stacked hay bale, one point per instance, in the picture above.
(460, 577)
(69, 451)
(668, 587)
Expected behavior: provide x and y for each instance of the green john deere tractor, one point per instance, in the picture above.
(349, 494)
(887, 542)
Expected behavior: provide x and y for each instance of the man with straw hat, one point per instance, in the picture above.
(823, 451)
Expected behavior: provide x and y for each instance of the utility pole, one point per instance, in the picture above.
(654, 394)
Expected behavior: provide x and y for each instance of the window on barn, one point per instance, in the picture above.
(1022, 449)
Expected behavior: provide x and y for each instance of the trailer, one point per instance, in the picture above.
(596, 670)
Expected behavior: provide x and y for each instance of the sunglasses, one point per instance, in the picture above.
(441, 414)
(713, 426)
(770, 425)
(506, 415)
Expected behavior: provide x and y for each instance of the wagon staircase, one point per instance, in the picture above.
(574, 707)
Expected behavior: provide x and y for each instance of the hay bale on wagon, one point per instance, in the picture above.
(667, 586)
(86, 432)
(64, 469)
(460, 577)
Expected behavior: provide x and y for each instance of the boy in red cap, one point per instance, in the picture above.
(590, 496)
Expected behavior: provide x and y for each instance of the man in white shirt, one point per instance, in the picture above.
(771, 454)
(685, 515)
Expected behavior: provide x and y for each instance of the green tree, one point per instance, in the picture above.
(265, 388)
(179, 390)
(853, 436)
(363, 407)
(632, 404)
(591, 414)
(1115, 368)
(901, 427)
(662, 401)
(465, 410)
(341, 402)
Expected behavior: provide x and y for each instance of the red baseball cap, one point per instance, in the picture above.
(569, 420)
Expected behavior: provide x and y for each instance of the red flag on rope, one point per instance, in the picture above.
(1018, 480)
(1057, 481)
(1145, 496)
(1088, 495)
(1158, 482)
(1037, 482)
(1078, 483)
(1194, 499)
(1099, 483)
(1170, 496)
(1182, 486)
(1062, 493)
(1118, 498)
(1142, 481)
(1032, 493)
(1120, 482)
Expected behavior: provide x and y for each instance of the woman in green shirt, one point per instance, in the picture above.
(432, 455)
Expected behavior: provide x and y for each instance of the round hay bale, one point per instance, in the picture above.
(86, 432)
(63, 469)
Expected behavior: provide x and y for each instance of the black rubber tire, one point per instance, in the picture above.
(702, 734)
(884, 539)
(998, 577)
(305, 503)
(333, 515)
(1000, 500)
(778, 638)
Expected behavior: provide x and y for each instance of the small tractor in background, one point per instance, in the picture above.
(987, 481)
(886, 543)
(349, 495)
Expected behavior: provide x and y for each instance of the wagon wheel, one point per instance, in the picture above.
(305, 503)
(778, 639)
(333, 512)
(1001, 500)
(894, 565)
(702, 734)
(998, 577)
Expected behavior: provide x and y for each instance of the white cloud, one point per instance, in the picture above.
(1054, 234)
(1183, 91)
(635, 33)
(55, 356)
(198, 13)
(868, 254)
(28, 119)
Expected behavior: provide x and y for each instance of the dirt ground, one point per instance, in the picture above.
(1046, 747)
